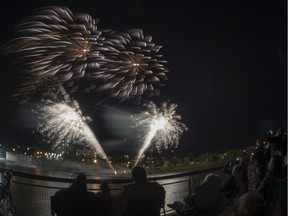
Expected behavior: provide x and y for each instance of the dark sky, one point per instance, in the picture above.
(227, 60)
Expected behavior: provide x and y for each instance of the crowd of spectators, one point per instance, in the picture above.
(212, 197)
(267, 196)
(141, 198)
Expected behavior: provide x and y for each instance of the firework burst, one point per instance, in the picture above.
(61, 121)
(162, 127)
(133, 66)
(55, 47)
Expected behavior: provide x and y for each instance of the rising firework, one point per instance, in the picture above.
(133, 65)
(162, 127)
(55, 47)
(61, 121)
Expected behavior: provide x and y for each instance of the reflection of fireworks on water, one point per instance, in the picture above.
(163, 127)
(133, 66)
(55, 47)
(64, 124)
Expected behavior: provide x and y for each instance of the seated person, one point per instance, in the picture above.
(142, 198)
(235, 186)
(273, 187)
(106, 198)
(76, 200)
(208, 199)
(249, 204)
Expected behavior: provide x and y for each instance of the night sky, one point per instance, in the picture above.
(227, 63)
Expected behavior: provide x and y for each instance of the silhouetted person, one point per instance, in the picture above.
(273, 187)
(259, 161)
(106, 198)
(230, 165)
(235, 186)
(278, 143)
(76, 200)
(142, 198)
(249, 204)
(208, 199)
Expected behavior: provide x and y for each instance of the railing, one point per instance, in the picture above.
(6, 200)
(32, 193)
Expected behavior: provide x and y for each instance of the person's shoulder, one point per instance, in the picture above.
(202, 187)
(61, 192)
(99, 194)
(61, 195)
(91, 195)
(128, 186)
(156, 185)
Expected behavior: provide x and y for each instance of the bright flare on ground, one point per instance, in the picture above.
(163, 127)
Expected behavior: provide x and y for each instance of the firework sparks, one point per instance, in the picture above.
(64, 124)
(133, 66)
(55, 47)
(163, 127)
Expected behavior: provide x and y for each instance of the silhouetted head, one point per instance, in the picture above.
(237, 171)
(249, 204)
(80, 183)
(259, 142)
(139, 174)
(276, 164)
(213, 180)
(105, 186)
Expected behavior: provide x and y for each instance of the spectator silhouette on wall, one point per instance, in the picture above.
(106, 198)
(141, 198)
(76, 200)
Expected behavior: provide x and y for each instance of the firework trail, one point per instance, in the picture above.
(62, 122)
(55, 47)
(133, 66)
(163, 127)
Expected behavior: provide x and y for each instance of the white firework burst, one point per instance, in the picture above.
(163, 127)
(55, 47)
(133, 66)
(61, 121)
